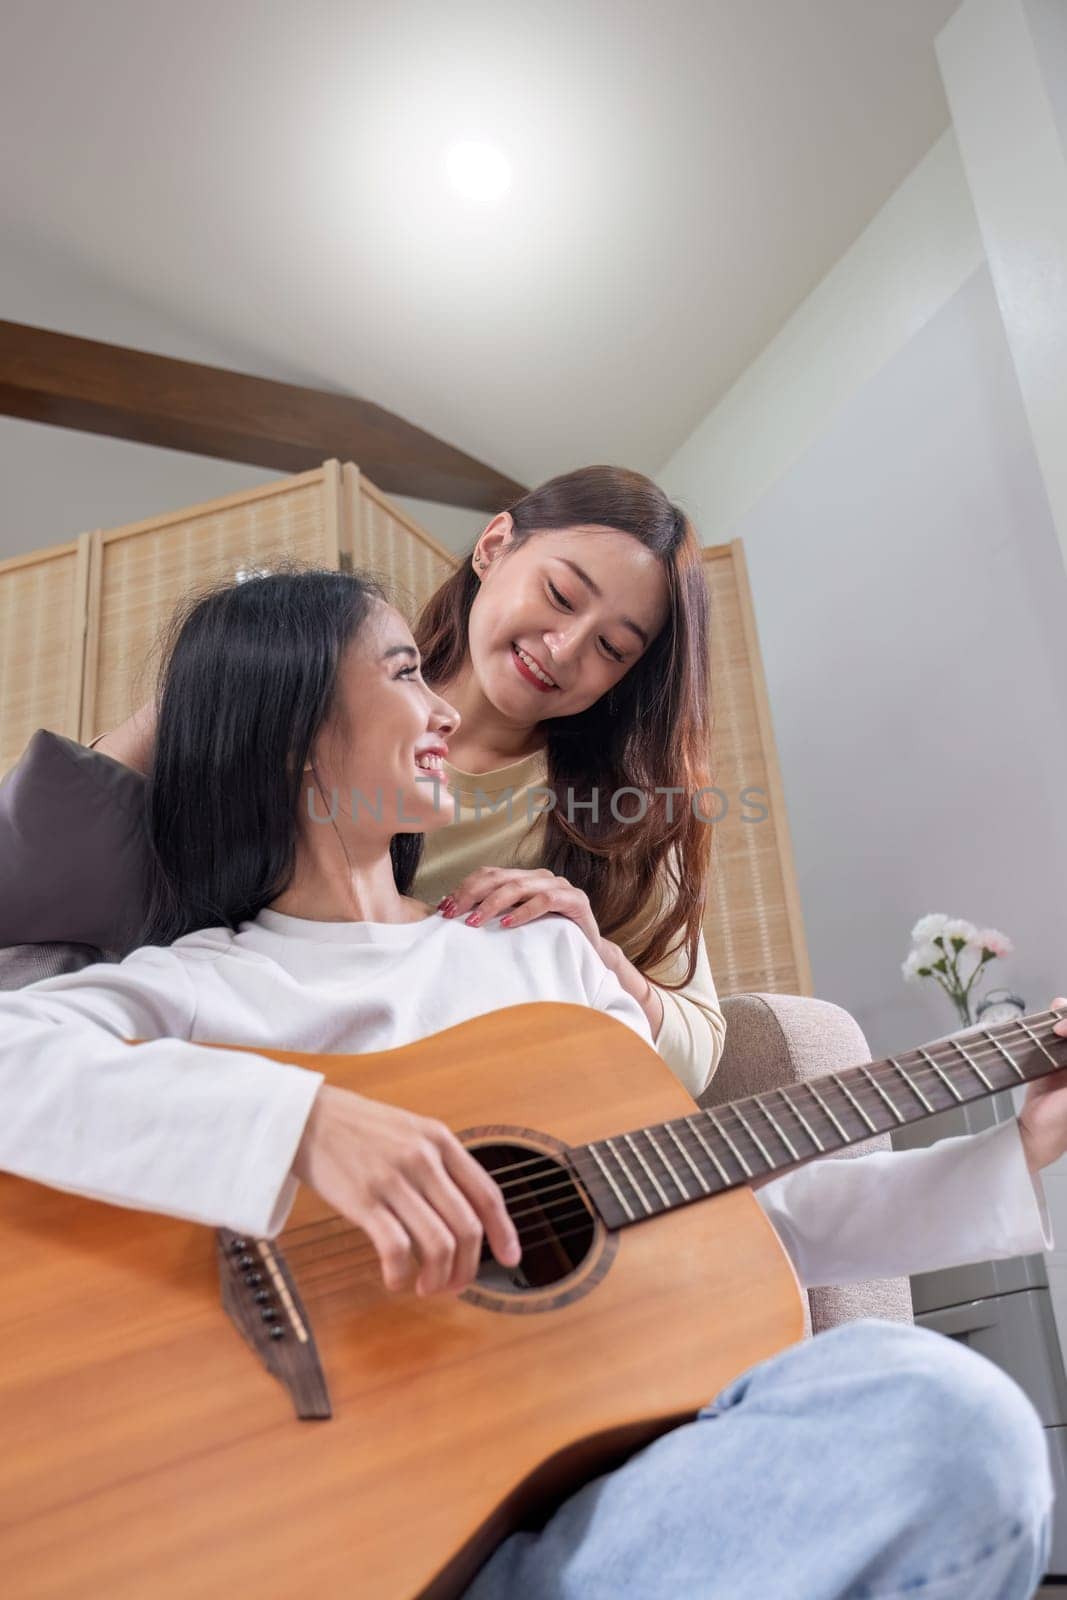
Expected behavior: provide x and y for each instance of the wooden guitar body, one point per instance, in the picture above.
(147, 1453)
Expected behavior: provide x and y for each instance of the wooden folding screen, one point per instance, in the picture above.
(42, 639)
(138, 574)
(377, 537)
(80, 627)
(752, 923)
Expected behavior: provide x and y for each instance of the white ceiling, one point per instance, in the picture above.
(268, 175)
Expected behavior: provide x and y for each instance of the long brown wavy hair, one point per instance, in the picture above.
(651, 730)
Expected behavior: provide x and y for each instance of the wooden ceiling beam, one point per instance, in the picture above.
(180, 405)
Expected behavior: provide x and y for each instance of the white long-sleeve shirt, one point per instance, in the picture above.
(210, 1135)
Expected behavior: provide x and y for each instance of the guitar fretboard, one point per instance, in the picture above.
(632, 1176)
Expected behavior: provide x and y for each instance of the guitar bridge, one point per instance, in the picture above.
(261, 1300)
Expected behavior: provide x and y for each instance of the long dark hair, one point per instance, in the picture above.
(249, 676)
(651, 730)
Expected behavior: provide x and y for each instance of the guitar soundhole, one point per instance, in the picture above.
(551, 1216)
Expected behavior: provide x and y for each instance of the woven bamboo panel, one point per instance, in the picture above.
(377, 537)
(42, 614)
(752, 925)
(140, 572)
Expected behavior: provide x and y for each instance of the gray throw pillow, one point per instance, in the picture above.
(22, 964)
(73, 848)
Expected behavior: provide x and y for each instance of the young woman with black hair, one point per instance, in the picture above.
(869, 1461)
(285, 810)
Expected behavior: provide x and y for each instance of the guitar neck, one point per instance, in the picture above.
(636, 1175)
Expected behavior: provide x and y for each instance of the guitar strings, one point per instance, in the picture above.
(342, 1273)
(530, 1237)
(343, 1277)
(545, 1230)
(543, 1207)
(564, 1181)
(794, 1122)
(729, 1119)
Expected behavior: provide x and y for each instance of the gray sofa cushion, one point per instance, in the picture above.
(775, 1039)
(73, 848)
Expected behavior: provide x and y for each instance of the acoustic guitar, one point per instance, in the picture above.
(190, 1414)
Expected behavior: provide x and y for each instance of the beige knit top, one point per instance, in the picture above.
(491, 826)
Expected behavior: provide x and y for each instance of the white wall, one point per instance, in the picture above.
(915, 253)
(454, 527)
(1004, 69)
(910, 601)
(877, 463)
(56, 483)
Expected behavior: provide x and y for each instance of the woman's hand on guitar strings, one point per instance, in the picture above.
(407, 1181)
(1043, 1118)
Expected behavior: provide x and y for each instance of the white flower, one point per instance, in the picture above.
(992, 939)
(922, 956)
(928, 927)
(957, 928)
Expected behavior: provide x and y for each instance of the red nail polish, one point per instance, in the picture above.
(474, 920)
(505, 922)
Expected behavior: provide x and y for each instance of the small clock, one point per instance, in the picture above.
(1000, 1005)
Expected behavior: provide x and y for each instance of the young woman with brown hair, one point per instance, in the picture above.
(574, 642)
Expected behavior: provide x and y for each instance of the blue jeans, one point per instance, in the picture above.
(874, 1461)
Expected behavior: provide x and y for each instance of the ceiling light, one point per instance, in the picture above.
(478, 171)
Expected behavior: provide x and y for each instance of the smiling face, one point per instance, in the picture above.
(561, 617)
(387, 734)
